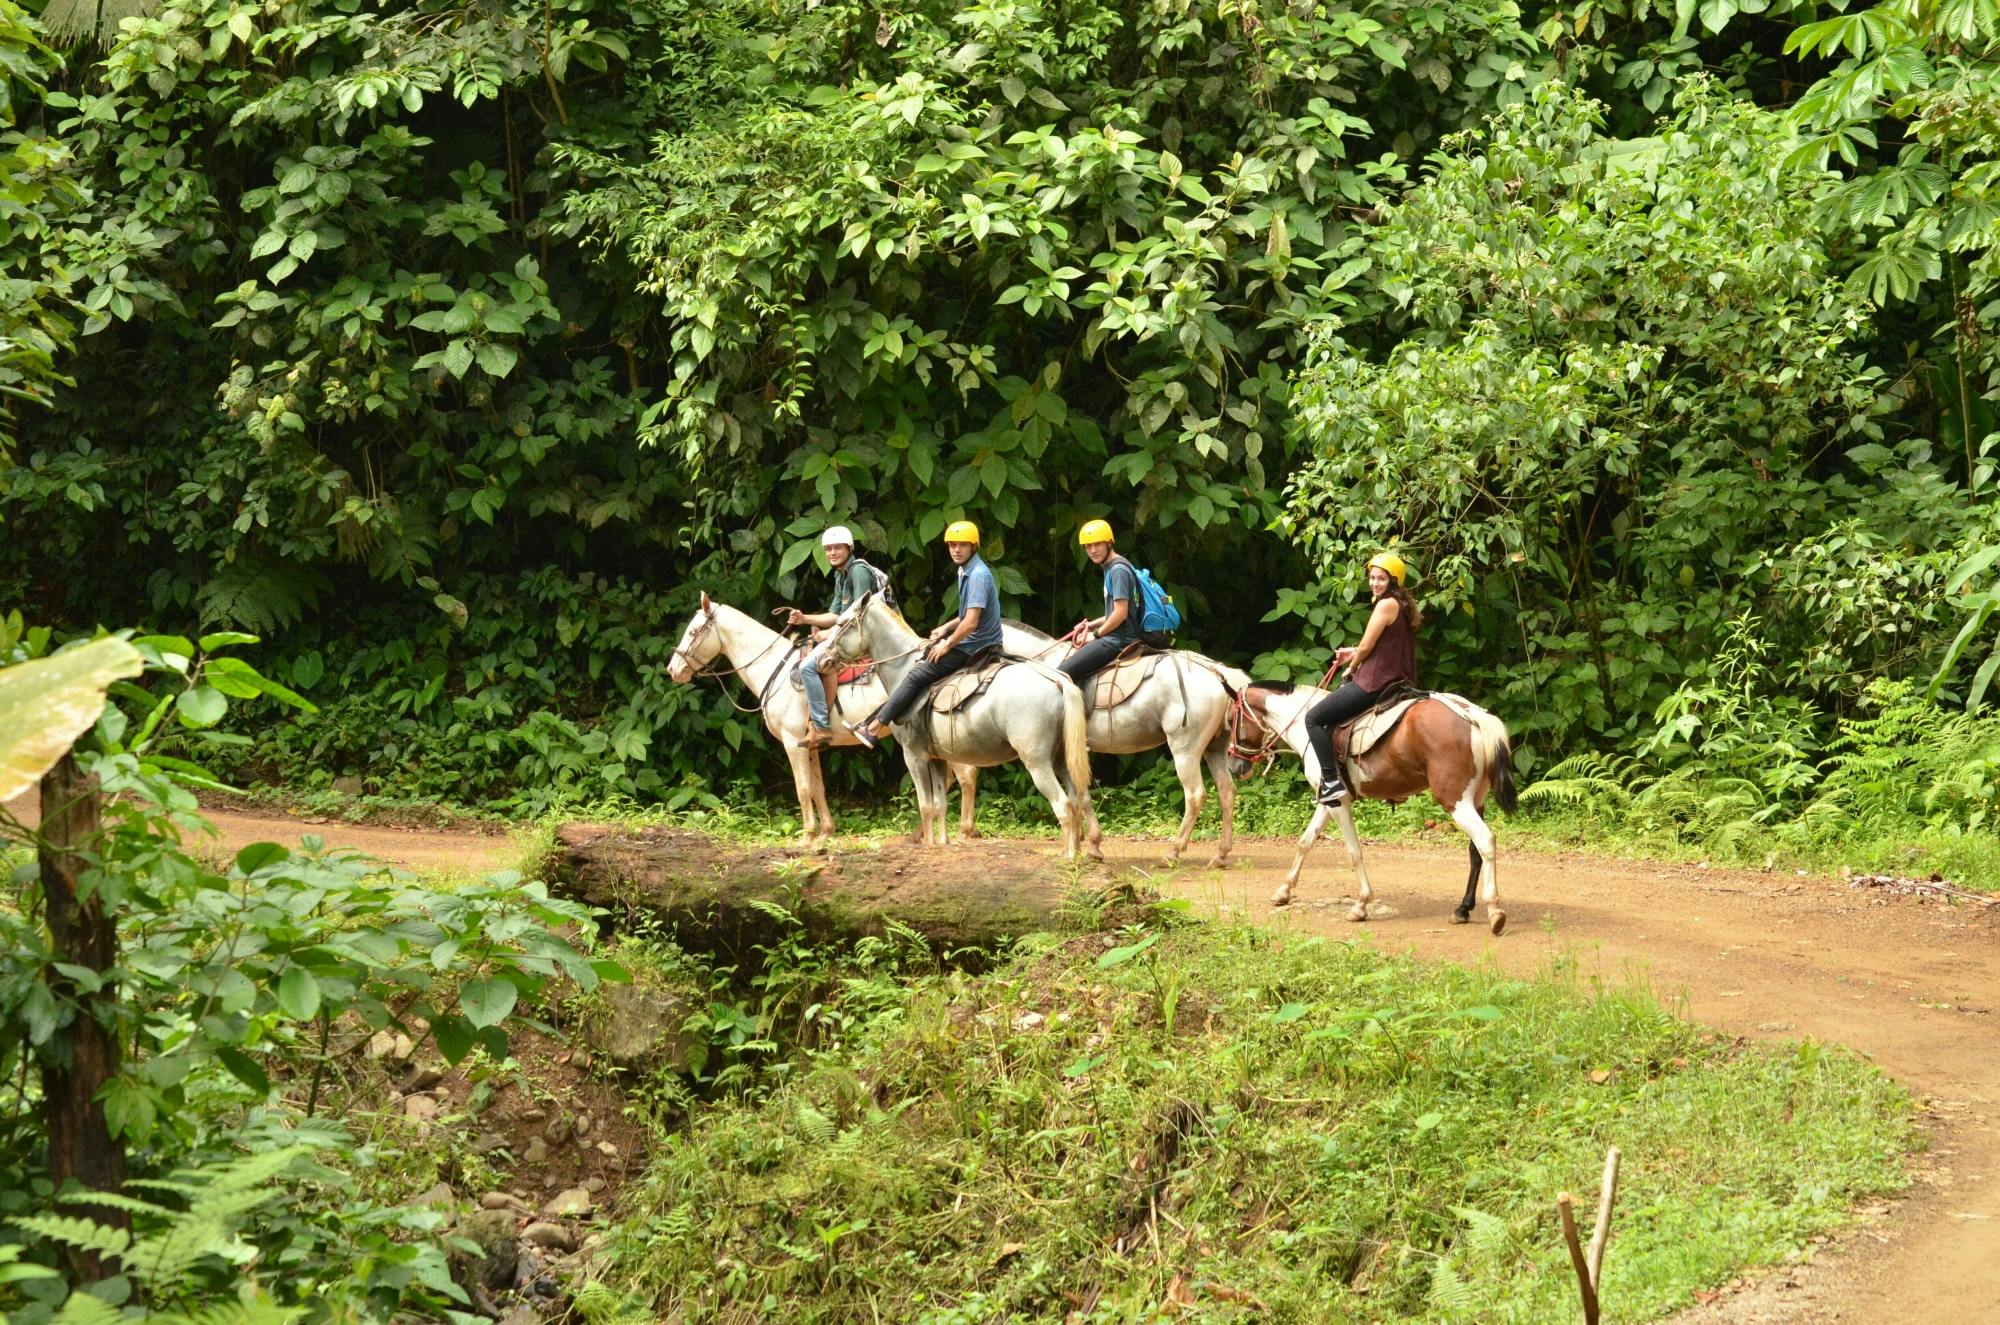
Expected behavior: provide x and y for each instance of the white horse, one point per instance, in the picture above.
(1030, 712)
(1182, 705)
(1445, 744)
(764, 660)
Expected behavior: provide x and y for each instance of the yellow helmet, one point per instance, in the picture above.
(961, 531)
(1094, 531)
(1390, 562)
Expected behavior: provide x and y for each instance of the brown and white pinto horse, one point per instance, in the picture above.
(1444, 744)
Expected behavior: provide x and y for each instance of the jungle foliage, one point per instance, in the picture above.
(454, 346)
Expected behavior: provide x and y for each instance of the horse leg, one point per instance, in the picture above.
(819, 799)
(802, 781)
(1093, 832)
(1187, 766)
(1462, 913)
(1217, 759)
(1056, 790)
(1345, 814)
(968, 795)
(1306, 840)
(1466, 815)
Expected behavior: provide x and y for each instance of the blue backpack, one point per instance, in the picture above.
(1160, 613)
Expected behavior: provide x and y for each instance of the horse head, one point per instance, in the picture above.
(1253, 737)
(847, 638)
(699, 644)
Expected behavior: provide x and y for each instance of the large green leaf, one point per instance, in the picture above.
(46, 704)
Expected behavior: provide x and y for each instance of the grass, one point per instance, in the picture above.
(1285, 1130)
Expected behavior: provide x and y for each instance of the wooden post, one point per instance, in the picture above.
(83, 934)
(1589, 1266)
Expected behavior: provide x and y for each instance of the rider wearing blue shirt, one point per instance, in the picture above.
(953, 645)
(1119, 627)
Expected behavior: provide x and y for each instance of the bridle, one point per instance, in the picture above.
(695, 636)
(1258, 756)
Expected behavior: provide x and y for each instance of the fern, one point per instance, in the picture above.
(1450, 1293)
(83, 1309)
(78, 1233)
(261, 596)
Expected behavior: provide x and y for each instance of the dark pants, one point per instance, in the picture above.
(1343, 705)
(919, 679)
(1091, 659)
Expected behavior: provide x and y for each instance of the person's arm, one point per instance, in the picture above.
(817, 620)
(1386, 611)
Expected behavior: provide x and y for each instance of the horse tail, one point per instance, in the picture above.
(1498, 756)
(1076, 738)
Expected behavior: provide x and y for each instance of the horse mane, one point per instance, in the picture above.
(1275, 687)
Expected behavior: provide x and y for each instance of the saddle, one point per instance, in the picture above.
(858, 670)
(1122, 679)
(1353, 739)
(968, 683)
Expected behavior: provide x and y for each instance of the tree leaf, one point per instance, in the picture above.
(298, 993)
(487, 1001)
(201, 707)
(49, 702)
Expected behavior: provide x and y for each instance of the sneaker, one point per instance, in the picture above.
(861, 734)
(1331, 793)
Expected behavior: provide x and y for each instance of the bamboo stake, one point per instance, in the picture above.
(1590, 1266)
(1602, 1233)
(1583, 1284)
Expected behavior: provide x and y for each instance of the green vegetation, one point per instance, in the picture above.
(467, 344)
(176, 1033)
(1305, 1125)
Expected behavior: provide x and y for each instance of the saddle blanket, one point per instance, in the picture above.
(1121, 680)
(1368, 729)
(961, 688)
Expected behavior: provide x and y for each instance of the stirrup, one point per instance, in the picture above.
(1331, 793)
(861, 734)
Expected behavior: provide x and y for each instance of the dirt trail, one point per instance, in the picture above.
(1916, 985)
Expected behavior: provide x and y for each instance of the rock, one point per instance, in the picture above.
(441, 1194)
(420, 1109)
(555, 1237)
(595, 1186)
(421, 1078)
(488, 1142)
(520, 1314)
(639, 1028)
(570, 1201)
(557, 1131)
(404, 1047)
(492, 1267)
(582, 1124)
(381, 1044)
(537, 1151)
(606, 1149)
(533, 1117)
(580, 1060)
(349, 786)
(501, 1201)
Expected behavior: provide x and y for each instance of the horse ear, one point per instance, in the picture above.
(705, 604)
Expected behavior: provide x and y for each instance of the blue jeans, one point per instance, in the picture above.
(815, 696)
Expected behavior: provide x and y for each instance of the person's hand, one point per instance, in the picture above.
(937, 650)
(1342, 657)
(793, 617)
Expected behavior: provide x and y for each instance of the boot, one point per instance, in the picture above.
(817, 738)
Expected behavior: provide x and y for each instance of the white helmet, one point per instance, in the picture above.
(840, 533)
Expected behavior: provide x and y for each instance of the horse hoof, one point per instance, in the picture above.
(970, 833)
(1282, 897)
(1358, 914)
(1219, 863)
(1461, 917)
(1496, 920)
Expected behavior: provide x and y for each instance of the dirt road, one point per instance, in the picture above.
(1916, 985)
